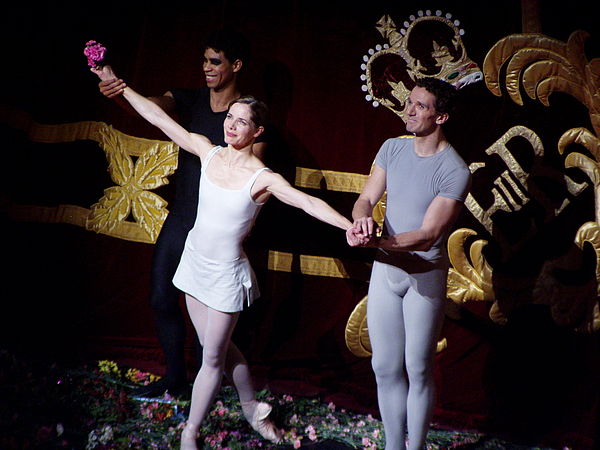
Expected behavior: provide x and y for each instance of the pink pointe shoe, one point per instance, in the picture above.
(188, 439)
(257, 413)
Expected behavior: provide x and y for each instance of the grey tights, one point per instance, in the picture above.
(404, 315)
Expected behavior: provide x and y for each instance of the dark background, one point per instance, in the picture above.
(72, 294)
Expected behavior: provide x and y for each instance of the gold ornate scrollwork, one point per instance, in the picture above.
(547, 66)
(357, 332)
(155, 161)
(589, 231)
(503, 200)
(131, 195)
(469, 278)
(586, 164)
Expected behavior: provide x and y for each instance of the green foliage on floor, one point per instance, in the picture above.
(49, 406)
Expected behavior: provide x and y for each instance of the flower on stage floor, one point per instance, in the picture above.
(156, 411)
(139, 377)
(94, 52)
(97, 413)
(219, 410)
(109, 368)
(311, 433)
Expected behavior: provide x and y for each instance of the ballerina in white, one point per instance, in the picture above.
(214, 273)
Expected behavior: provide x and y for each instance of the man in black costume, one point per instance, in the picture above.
(201, 111)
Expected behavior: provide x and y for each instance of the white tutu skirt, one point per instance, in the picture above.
(221, 285)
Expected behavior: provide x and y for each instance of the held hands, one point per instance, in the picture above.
(110, 86)
(355, 238)
(363, 233)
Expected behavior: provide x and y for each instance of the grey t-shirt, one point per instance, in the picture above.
(413, 181)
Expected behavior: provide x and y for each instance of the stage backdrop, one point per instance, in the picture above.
(520, 351)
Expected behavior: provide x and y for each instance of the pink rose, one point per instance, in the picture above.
(94, 52)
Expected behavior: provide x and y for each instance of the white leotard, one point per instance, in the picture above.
(213, 266)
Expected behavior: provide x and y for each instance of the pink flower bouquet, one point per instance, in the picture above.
(94, 51)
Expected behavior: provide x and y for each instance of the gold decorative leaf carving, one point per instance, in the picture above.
(580, 136)
(156, 160)
(468, 278)
(589, 166)
(120, 165)
(134, 179)
(149, 210)
(112, 208)
(357, 331)
(153, 167)
(590, 232)
(545, 65)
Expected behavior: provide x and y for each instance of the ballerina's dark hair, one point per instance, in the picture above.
(259, 109)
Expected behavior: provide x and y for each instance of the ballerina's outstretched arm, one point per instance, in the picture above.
(197, 144)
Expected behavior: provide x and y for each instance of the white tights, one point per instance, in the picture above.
(219, 355)
(404, 315)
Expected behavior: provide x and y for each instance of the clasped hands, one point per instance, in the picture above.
(363, 233)
(110, 86)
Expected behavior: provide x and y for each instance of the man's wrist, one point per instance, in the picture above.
(383, 242)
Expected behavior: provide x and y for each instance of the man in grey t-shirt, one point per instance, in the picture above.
(426, 183)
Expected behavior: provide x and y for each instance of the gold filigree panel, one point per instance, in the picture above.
(470, 278)
(134, 180)
(545, 65)
(512, 190)
(541, 66)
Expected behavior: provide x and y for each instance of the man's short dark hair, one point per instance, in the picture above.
(445, 94)
(233, 44)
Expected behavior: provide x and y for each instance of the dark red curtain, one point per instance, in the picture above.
(70, 293)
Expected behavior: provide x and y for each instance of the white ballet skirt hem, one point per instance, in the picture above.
(221, 285)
